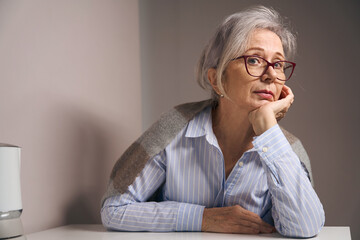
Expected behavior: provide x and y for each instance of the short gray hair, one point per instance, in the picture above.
(231, 40)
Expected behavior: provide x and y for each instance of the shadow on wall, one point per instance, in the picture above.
(91, 137)
(80, 210)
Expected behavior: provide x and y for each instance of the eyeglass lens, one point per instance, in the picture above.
(257, 66)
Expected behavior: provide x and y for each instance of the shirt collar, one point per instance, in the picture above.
(200, 125)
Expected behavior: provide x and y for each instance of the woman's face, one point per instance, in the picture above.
(250, 92)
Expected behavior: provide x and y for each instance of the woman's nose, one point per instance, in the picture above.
(269, 75)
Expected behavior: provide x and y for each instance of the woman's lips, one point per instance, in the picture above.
(265, 94)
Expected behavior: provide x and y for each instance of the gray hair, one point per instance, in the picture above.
(231, 40)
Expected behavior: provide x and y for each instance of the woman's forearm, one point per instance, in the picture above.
(152, 216)
(297, 210)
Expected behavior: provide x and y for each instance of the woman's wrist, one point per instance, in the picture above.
(262, 121)
(204, 225)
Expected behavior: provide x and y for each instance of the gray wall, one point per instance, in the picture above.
(326, 112)
(68, 72)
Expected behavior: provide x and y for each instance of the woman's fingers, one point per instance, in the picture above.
(233, 219)
(289, 96)
(281, 106)
(254, 221)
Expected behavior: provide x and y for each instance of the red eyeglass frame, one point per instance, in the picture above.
(268, 64)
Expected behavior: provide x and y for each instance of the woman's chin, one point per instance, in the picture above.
(253, 105)
(260, 103)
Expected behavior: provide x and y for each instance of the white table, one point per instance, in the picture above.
(97, 232)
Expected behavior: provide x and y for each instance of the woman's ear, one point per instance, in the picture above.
(211, 74)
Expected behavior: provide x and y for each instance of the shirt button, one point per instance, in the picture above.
(241, 164)
(265, 149)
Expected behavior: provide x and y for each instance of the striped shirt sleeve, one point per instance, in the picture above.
(296, 208)
(131, 212)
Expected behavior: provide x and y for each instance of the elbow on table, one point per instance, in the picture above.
(301, 232)
(107, 214)
(304, 234)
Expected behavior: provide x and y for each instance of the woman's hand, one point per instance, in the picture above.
(233, 219)
(269, 114)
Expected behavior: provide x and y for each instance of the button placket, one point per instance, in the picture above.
(232, 178)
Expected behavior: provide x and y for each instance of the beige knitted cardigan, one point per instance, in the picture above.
(159, 135)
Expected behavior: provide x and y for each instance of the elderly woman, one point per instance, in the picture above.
(223, 165)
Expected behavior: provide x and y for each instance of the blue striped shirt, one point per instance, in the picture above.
(267, 180)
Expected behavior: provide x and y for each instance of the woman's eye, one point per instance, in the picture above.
(279, 65)
(253, 60)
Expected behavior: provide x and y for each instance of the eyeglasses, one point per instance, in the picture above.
(257, 66)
